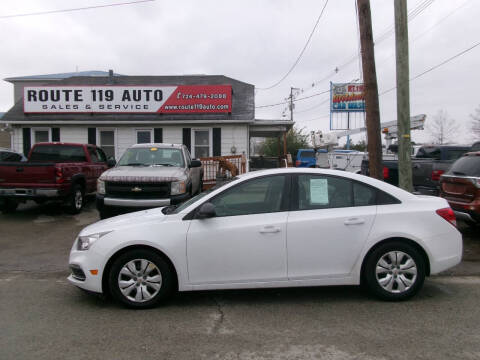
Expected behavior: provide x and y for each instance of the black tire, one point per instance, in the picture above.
(161, 266)
(8, 206)
(398, 278)
(76, 199)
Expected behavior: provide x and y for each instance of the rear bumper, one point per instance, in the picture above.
(28, 193)
(466, 211)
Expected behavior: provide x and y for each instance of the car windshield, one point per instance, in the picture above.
(152, 156)
(174, 209)
(466, 166)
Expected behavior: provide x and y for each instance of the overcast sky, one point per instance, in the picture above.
(252, 41)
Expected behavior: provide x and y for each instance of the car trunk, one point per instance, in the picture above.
(457, 188)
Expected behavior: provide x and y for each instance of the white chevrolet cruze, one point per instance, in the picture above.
(275, 228)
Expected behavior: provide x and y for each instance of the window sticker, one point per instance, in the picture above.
(153, 149)
(319, 191)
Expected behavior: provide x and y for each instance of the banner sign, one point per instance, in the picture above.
(181, 99)
(347, 97)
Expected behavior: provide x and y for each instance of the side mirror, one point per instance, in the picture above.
(111, 163)
(206, 211)
(195, 163)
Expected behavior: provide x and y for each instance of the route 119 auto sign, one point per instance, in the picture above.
(128, 99)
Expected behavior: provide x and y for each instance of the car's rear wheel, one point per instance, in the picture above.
(76, 199)
(140, 279)
(395, 271)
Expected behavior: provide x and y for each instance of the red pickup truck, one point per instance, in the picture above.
(54, 171)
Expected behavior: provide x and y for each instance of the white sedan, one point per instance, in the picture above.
(275, 228)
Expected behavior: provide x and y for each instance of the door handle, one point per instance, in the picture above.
(354, 221)
(269, 230)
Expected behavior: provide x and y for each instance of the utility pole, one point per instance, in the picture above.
(374, 144)
(403, 96)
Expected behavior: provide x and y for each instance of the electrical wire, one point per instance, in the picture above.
(436, 66)
(287, 101)
(301, 52)
(74, 9)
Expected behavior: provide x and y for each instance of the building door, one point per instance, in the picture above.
(107, 142)
(201, 143)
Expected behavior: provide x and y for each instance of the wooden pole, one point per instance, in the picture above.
(374, 144)
(403, 96)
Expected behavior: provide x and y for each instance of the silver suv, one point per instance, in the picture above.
(149, 175)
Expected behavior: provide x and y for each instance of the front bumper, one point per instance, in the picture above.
(81, 264)
(105, 201)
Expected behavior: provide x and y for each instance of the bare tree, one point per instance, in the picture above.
(442, 128)
(476, 123)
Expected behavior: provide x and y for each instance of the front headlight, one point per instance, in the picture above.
(101, 187)
(178, 187)
(84, 242)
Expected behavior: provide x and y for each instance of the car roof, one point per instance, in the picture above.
(160, 145)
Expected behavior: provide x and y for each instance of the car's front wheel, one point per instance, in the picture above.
(140, 279)
(395, 271)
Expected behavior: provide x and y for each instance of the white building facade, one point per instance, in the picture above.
(211, 115)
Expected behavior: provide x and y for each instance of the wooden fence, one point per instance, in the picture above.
(223, 166)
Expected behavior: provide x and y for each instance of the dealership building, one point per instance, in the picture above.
(212, 115)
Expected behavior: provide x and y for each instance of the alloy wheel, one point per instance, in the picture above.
(396, 272)
(139, 280)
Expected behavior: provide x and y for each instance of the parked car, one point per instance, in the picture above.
(54, 171)
(306, 158)
(149, 175)
(11, 155)
(460, 186)
(331, 227)
(427, 167)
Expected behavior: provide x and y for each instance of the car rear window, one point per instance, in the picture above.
(466, 166)
(57, 153)
(430, 152)
(307, 154)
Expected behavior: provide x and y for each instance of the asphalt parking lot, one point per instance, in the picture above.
(44, 317)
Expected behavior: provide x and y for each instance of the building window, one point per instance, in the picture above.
(41, 135)
(144, 136)
(107, 142)
(201, 143)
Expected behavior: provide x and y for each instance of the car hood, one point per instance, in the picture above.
(123, 221)
(144, 173)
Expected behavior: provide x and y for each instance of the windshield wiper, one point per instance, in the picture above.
(163, 164)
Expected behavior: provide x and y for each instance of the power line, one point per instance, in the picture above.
(73, 9)
(287, 101)
(437, 66)
(301, 53)
(383, 36)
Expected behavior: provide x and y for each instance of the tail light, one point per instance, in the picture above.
(436, 175)
(386, 173)
(448, 214)
(59, 175)
(298, 163)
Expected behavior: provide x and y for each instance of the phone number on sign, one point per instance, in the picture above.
(201, 96)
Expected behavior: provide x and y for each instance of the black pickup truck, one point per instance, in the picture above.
(427, 167)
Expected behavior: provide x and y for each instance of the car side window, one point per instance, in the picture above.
(93, 154)
(258, 196)
(364, 195)
(323, 192)
(101, 155)
(385, 199)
